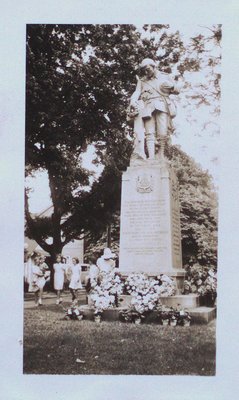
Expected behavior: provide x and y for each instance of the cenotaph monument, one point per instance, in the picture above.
(150, 234)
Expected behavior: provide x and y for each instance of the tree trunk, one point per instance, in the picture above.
(109, 236)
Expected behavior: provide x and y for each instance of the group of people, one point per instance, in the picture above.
(40, 274)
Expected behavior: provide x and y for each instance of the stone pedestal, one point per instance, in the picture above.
(150, 235)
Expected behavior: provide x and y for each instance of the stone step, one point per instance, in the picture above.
(185, 301)
(203, 315)
(188, 301)
(200, 315)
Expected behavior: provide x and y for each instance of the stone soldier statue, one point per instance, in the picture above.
(152, 110)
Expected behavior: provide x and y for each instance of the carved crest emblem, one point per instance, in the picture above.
(144, 183)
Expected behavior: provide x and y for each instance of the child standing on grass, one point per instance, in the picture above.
(75, 279)
(59, 274)
(38, 281)
(66, 260)
(92, 277)
(44, 268)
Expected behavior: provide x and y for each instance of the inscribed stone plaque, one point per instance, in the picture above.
(150, 239)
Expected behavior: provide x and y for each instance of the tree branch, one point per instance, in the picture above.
(31, 226)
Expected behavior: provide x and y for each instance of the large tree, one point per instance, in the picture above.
(79, 79)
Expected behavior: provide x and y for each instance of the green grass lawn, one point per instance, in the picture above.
(52, 346)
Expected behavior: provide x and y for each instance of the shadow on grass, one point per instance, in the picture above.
(53, 346)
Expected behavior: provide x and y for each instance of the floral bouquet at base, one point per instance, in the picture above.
(104, 295)
(74, 313)
(140, 283)
(187, 320)
(167, 286)
(163, 314)
(173, 317)
(165, 319)
(203, 281)
(210, 289)
(102, 299)
(111, 282)
(98, 316)
(136, 282)
(126, 315)
(146, 292)
(144, 303)
(131, 315)
(183, 317)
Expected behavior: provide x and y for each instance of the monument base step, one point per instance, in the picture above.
(184, 300)
(188, 301)
(203, 315)
(200, 315)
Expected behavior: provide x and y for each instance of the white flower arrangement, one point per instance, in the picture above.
(103, 295)
(137, 283)
(112, 283)
(173, 316)
(211, 283)
(73, 313)
(200, 280)
(146, 292)
(101, 299)
(168, 286)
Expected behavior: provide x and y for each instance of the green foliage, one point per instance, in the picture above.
(200, 279)
(41, 226)
(198, 202)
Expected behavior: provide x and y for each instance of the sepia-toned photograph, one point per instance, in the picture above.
(122, 127)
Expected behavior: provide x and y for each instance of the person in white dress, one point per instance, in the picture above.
(27, 268)
(74, 272)
(45, 269)
(106, 262)
(38, 281)
(93, 273)
(59, 275)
